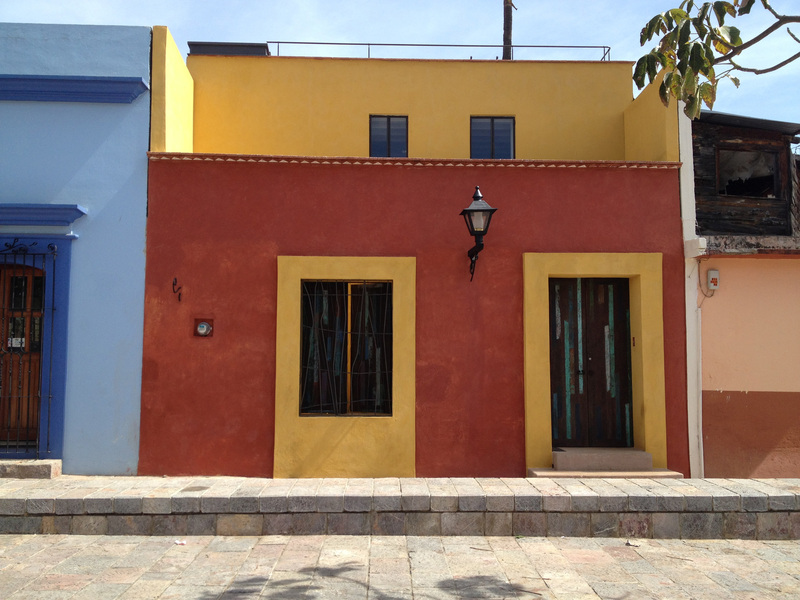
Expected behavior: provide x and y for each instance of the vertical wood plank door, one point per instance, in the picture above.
(22, 295)
(590, 373)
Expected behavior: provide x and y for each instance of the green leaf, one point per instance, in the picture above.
(702, 14)
(731, 35)
(723, 8)
(697, 58)
(685, 32)
(711, 75)
(652, 66)
(653, 25)
(678, 15)
(708, 93)
(675, 84)
(735, 81)
(669, 42)
(700, 28)
(745, 6)
(663, 91)
(692, 108)
(720, 47)
(689, 83)
(639, 72)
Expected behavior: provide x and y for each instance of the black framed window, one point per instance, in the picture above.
(388, 136)
(492, 137)
(346, 360)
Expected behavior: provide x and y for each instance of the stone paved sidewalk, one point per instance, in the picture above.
(179, 506)
(34, 567)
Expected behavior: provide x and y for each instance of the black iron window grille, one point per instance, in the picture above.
(491, 137)
(388, 136)
(346, 360)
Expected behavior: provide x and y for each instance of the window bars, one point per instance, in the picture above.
(346, 360)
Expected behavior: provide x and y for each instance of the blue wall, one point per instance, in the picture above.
(93, 154)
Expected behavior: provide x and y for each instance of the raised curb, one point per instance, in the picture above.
(30, 469)
(765, 509)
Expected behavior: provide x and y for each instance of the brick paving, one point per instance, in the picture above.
(606, 507)
(50, 567)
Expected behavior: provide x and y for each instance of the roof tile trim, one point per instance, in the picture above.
(414, 162)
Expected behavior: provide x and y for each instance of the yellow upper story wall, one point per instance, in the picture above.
(321, 106)
(172, 97)
(651, 129)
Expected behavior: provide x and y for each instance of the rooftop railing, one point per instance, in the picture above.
(424, 51)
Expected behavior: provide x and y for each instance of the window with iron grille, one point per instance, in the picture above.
(388, 136)
(346, 350)
(491, 137)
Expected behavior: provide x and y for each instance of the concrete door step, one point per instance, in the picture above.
(652, 474)
(30, 469)
(601, 459)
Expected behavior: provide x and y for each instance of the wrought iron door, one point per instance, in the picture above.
(25, 311)
(590, 380)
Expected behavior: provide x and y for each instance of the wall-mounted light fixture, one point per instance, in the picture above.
(478, 215)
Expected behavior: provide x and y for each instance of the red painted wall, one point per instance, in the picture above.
(217, 224)
(751, 434)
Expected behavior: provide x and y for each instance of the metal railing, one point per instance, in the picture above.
(605, 51)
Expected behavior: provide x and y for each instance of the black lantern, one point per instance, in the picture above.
(478, 215)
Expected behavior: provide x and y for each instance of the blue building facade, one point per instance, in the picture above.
(75, 114)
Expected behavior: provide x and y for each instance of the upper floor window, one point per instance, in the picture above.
(750, 173)
(388, 136)
(492, 137)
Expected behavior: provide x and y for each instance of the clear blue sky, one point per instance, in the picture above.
(541, 22)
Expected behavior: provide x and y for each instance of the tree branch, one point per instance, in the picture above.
(768, 31)
(768, 70)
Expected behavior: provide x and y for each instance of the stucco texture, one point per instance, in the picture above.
(751, 380)
(217, 225)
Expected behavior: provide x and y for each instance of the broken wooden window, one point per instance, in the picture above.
(747, 173)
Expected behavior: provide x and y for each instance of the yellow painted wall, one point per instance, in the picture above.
(647, 355)
(172, 93)
(751, 325)
(320, 446)
(321, 106)
(651, 129)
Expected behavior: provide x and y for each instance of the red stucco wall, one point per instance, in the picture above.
(217, 224)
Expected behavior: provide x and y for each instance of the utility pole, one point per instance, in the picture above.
(507, 17)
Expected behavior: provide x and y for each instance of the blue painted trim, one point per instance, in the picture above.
(40, 214)
(52, 412)
(71, 88)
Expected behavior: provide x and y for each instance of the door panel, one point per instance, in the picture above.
(590, 362)
(22, 296)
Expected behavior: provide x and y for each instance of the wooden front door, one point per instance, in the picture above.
(21, 316)
(590, 372)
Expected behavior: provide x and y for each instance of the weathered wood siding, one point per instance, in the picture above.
(743, 215)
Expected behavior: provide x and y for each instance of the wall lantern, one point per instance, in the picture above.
(478, 215)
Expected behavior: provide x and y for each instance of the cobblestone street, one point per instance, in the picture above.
(37, 567)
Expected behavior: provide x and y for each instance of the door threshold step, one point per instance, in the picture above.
(30, 469)
(652, 474)
(601, 459)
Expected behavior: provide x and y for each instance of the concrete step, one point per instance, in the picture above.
(30, 469)
(601, 459)
(653, 474)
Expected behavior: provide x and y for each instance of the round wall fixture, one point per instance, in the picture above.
(203, 327)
